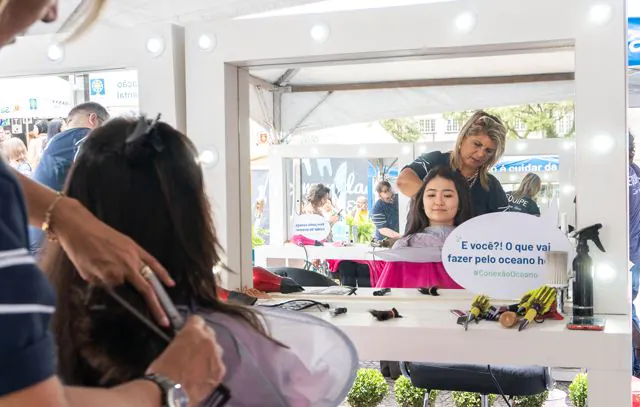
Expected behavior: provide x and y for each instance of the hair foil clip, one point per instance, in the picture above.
(385, 315)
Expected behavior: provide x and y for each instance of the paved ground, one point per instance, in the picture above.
(444, 398)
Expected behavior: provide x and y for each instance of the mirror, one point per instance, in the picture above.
(314, 154)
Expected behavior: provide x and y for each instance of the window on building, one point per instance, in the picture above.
(453, 126)
(427, 127)
(519, 125)
(564, 124)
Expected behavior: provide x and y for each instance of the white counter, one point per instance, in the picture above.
(428, 332)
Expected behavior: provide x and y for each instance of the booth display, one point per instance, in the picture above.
(246, 66)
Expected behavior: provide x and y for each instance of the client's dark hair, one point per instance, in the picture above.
(152, 190)
(418, 219)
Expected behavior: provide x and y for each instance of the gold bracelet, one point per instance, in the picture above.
(47, 226)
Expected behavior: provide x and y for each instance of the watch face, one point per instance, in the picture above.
(177, 397)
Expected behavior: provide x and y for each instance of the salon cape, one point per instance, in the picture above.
(317, 369)
(423, 247)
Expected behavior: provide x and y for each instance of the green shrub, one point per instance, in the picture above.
(407, 395)
(578, 390)
(466, 399)
(369, 389)
(536, 400)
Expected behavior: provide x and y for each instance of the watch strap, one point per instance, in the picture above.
(164, 383)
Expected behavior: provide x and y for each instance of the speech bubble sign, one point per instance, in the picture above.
(313, 227)
(502, 255)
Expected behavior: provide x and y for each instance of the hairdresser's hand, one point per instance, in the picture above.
(104, 256)
(193, 359)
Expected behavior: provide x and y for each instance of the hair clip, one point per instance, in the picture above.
(429, 291)
(385, 315)
(380, 293)
(146, 130)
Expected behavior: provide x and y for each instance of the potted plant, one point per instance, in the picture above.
(467, 399)
(369, 389)
(407, 395)
(536, 400)
(578, 390)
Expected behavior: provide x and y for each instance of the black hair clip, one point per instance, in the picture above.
(385, 315)
(338, 311)
(380, 293)
(145, 131)
(429, 291)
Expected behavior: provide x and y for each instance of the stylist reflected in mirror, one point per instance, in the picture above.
(523, 199)
(479, 146)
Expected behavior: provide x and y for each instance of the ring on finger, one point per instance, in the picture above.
(146, 272)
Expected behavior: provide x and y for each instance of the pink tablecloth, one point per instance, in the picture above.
(400, 274)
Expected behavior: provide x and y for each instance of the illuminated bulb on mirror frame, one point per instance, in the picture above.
(406, 150)
(207, 42)
(546, 177)
(55, 52)
(600, 14)
(208, 158)
(155, 46)
(466, 22)
(604, 272)
(568, 189)
(314, 151)
(521, 146)
(568, 145)
(602, 143)
(362, 151)
(320, 33)
(513, 177)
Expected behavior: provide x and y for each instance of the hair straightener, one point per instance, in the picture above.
(221, 395)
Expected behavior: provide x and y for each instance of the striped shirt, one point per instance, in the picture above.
(26, 298)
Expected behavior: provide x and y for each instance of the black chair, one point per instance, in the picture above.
(303, 277)
(512, 380)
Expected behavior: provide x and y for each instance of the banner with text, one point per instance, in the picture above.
(313, 227)
(502, 255)
(633, 41)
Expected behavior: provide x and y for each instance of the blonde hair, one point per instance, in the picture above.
(480, 123)
(529, 187)
(80, 20)
(15, 150)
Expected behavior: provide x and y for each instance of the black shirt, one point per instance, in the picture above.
(522, 205)
(482, 200)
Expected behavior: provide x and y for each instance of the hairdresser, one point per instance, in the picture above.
(479, 146)
(183, 375)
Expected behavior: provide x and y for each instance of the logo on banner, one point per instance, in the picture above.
(97, 87)
(503, 255)
(313, 227)
(33, 104)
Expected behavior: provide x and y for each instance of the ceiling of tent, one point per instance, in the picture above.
(317, 97)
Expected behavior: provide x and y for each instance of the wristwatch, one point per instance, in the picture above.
(173, 395)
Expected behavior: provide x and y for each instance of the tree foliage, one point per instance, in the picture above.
(536, 118)
(405, 130)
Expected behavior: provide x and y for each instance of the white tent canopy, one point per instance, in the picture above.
(315, 97)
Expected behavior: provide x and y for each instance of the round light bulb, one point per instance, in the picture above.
(513, 177)
(568, 189)
(521, 146)
(314, 151)
(208, 158)
(406, 150)
(362, 151)
(600, 14)
(602, 143)
(206, 42)
(320, 33)
(604, 272)
(155, 45)
(568, 145)
(546, 177)
(55, 52)
(466, 22)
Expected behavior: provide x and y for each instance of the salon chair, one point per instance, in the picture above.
(303, 277)
(513, 380)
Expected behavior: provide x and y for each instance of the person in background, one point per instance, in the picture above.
(479, 146)
(61, 151)
(317, 197)
(634, 247)
(55, 127)
(37, 140)
(523, 199)
(385, 214)
(16, 155)
(360, 213)
(103, 256)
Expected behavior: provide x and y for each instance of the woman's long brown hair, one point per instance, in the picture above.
(152, 191)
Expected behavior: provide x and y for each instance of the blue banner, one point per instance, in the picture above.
(633, 41)
(540, 163)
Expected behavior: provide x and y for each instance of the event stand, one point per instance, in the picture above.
(223, 61)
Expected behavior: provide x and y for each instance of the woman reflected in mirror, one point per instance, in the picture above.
(479, 146)
(441, 204)
(523, 199)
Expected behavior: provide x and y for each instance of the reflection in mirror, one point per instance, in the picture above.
(498, 129)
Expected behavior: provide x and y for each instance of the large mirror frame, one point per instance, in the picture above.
(218, 89)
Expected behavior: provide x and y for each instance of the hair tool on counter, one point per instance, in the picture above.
(538, 304)
(479, 306)
(429, 291)
(221, 395)
(338, 311)
(385, 315)
(382, 292)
